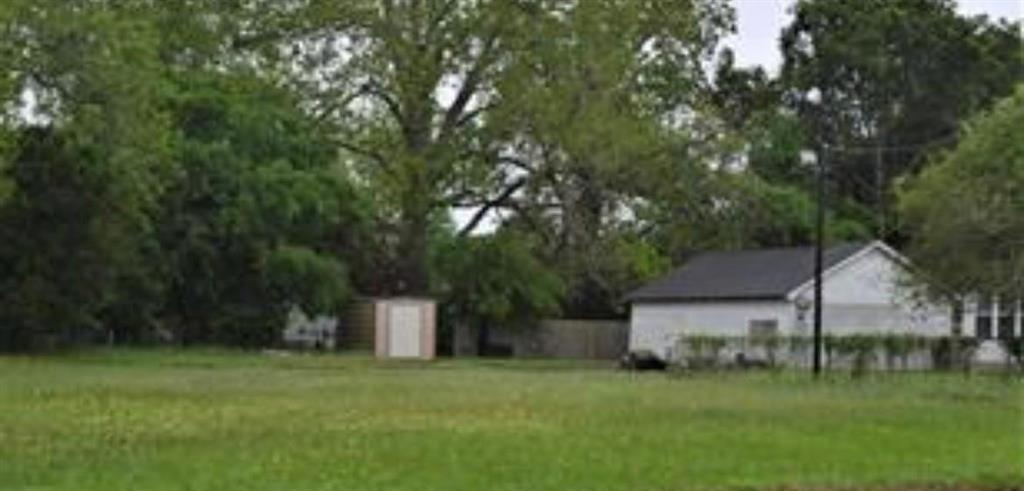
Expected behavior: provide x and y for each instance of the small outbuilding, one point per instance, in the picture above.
(769, 292)
(405, 328)
(402, 327)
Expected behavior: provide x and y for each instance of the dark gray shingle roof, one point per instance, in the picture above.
(736, 275)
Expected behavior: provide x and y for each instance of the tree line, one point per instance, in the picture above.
(199, 168)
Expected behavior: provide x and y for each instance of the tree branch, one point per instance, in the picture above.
(394, 107)
(490, 205)
(370, 154)
(330, 108)
(455, 115)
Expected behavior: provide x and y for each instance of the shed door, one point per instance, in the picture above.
(404, 324)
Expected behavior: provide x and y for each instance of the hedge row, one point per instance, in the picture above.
(861, 350)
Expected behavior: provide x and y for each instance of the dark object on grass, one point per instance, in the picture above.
(642, 360)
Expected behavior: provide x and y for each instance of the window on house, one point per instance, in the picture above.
(763, 328)
(983, 321)
(983, 328)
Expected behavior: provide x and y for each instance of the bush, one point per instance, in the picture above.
(316, 282)
(1014, 347)
(901, 346)
(862, 347)
(943, 351)
(770, 344)
(701, 351)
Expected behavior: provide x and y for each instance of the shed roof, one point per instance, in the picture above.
(741, 275)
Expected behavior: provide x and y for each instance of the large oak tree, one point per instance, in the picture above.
(444, 103)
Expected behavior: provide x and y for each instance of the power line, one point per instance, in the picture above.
(911, 147)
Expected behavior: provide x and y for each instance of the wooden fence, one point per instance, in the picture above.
(552, 338)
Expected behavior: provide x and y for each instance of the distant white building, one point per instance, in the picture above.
(771, 291)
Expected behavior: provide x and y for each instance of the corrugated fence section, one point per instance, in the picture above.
(358, 326)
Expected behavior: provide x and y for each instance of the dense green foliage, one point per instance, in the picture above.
(495, 281)
(192, 170)
(88, 168)
(249, 224)
(967, 210)
(895, 79)
(153, 199)
(185, 419)
(548, 112)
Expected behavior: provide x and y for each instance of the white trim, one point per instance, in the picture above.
(878, 245)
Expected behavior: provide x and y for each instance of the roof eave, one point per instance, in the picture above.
(677, 299)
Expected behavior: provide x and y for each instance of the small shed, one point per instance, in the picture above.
(405, 328)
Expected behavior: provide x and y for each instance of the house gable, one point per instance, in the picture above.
(871, 276)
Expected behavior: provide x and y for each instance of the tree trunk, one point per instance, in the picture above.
(412, 258)
(416, 203)
(413, 277)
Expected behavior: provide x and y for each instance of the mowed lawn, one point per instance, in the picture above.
(166, 420)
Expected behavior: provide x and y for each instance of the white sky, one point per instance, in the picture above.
(759, 23)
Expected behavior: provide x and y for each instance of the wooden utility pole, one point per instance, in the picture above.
(819, 239)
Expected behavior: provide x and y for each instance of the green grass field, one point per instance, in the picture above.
(165, 420)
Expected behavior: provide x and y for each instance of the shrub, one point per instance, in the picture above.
(770, 344)
(900, 346)
(1014, 347)
(944, 355)
(701, 351)
(862, 347)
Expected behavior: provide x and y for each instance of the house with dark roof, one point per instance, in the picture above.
(770, 292)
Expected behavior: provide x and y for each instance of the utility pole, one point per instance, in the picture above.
(819, 244)
(817, 161)
(880, 218)
(820, 161)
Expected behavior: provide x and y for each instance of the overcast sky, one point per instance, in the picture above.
(759, 23)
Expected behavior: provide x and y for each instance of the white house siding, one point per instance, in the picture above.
(658, 326)
(883, 319)
(866, 295)
(862, 295)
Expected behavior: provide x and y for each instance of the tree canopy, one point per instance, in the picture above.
(194, 170)
(966, 211)
(896, 78)
(487, 105)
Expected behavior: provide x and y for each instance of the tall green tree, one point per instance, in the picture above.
(9, 58)
(161, 180)
(750, 104)
(259, 217)
(894, 75)
(598, 133)
(89, 161)
(432, 98)
(966, 211)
